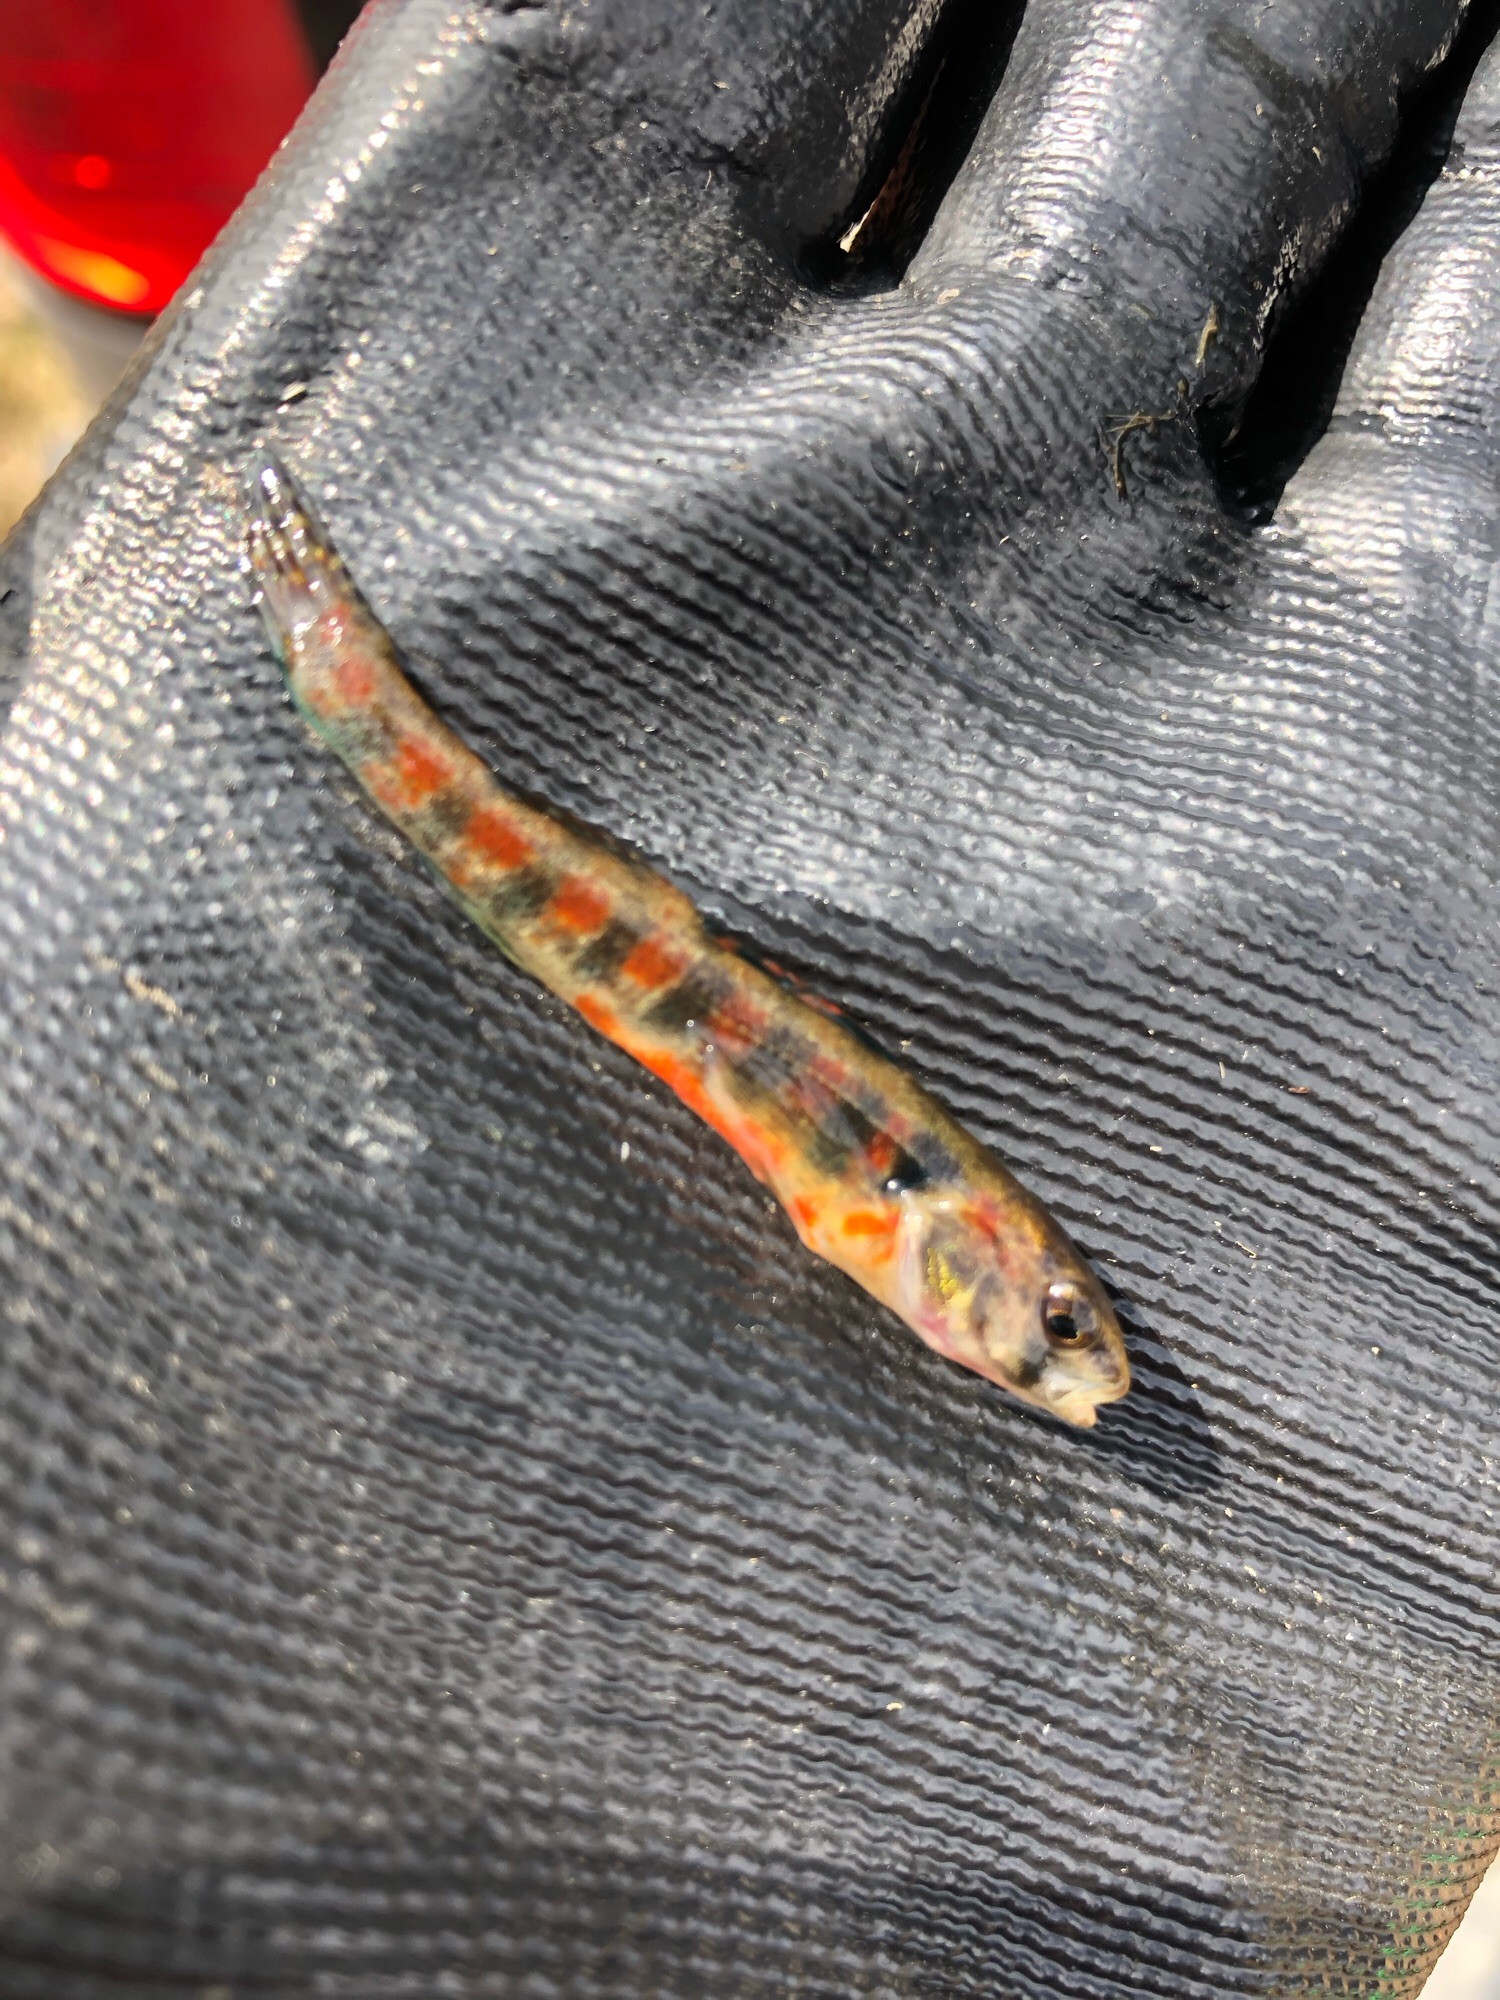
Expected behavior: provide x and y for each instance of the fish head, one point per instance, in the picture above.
(990, 1280)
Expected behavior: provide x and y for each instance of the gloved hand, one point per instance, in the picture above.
(455, 1540)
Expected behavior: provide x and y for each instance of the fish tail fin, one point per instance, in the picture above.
(297, 572)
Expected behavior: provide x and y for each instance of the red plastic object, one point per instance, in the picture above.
(131, 129)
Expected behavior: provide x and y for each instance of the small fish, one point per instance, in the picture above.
(875, 1175)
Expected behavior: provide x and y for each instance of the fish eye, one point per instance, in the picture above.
(1067, 1317)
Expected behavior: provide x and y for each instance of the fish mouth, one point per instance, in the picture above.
(1080, 1406)
(1113, 1392)
(1074, 1406)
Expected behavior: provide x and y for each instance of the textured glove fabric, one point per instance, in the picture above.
(453, 1540)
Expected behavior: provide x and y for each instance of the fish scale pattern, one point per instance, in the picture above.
(443, 1552)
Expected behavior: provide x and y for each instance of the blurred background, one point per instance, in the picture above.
(129, 132)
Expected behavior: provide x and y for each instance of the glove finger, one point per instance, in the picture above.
(1179, 173)
(1400, 495)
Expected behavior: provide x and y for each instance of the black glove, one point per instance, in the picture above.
(443, 1555)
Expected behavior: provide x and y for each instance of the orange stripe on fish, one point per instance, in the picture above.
(598, 1015)
(354, 679)
(652, 965)
(579, 905)
(421, 773)
(875, 1174)
(492, 839)
(865, 1222)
